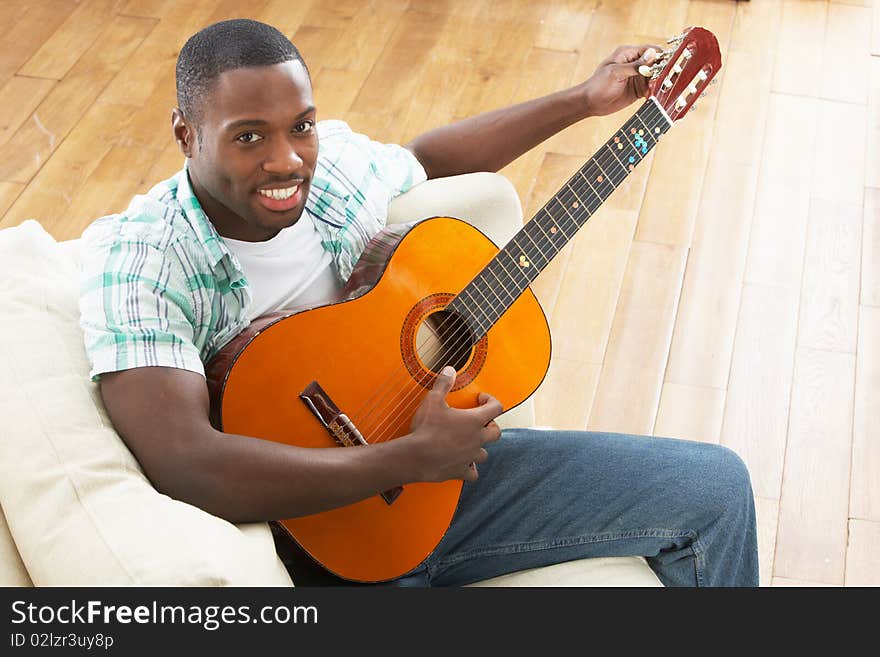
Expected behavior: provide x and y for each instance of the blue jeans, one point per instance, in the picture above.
(545, 496)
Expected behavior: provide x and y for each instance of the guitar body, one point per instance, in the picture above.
(363, 353)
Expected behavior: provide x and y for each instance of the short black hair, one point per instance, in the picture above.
(224, 46)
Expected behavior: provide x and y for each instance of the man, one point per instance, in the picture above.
(265, 215)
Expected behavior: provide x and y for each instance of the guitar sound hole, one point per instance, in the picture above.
(443, 338)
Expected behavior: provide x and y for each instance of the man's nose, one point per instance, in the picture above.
(283, 159)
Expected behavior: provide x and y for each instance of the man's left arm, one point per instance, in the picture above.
(490, 141)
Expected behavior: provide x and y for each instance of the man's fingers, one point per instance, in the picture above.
(444, 381)
(489, 407)
(630, 68)
(492, 432)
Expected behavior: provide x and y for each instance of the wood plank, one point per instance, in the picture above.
(148, 8)
(690, 412)
(534, 83)
(756, 29)
(565, 397)
(829, 311)
(661, 17)
(632, 372)
(23, 155)
(743, 105)
(316, 44)
(51, 191)
(492, 78)
(9, 191)
(705, 325)
(543, 71)
(865, 485)
(756, 409)
(800, 47)
(872, 146)
(564, 24)
(285, 16)
(767, 512)
(157, 55)
(845, 57)
(870, 295)
(784, 187)
(366, 36)
(787, 581)
(29, 93)
(590, 286)
(169, 162)
(57, 55)
(875, 30)
(814, 504)
(863, 554)
(333, 14)
(109, 189)
(32, 27)
(150, 125)
(839, 162)
(395, 75)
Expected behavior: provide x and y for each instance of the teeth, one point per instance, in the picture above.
(279, 194)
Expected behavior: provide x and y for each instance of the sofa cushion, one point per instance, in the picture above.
(78, 505)
(12, 570)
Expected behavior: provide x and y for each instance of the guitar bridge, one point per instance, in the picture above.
(339, 426)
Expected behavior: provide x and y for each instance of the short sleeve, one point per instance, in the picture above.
(353, 160)
(135, 308)
(396, 166)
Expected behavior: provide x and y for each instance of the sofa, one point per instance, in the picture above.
(77, 510)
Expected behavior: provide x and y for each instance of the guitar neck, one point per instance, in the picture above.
(488, 296)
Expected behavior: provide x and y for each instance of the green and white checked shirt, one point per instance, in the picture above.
(159, 287)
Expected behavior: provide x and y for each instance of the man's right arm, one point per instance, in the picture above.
(162, 414)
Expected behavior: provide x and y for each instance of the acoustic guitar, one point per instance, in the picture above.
(423, 295)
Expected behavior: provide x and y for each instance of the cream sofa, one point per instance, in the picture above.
(76, 507)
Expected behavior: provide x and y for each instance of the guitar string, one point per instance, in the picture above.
(418, 386)
(454, 343)
(605, 161)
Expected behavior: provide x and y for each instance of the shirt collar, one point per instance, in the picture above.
(207, 235)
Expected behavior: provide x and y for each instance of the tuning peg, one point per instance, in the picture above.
(651, 71)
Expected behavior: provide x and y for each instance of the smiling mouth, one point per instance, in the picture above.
(279, 194)
(282, 199)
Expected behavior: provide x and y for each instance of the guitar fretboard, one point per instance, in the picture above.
(486, 298)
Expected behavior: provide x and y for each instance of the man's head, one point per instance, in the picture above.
(246, 122)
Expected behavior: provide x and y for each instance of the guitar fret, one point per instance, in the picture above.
(616, 159)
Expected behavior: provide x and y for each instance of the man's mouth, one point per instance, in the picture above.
(280, 199)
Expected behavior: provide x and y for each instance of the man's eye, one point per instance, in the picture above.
(248, 137)
(304, 126)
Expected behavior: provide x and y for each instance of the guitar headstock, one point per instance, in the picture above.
(682, 73)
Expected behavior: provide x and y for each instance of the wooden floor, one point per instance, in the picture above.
(728, 293)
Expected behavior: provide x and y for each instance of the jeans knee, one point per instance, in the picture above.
(733, 484)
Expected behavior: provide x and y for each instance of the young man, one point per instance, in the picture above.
(266, 215)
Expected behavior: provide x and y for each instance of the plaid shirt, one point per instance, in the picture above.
(159, 287)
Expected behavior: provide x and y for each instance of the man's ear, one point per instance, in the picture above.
(184, 132)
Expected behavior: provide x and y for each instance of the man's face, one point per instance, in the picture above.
(253, 160)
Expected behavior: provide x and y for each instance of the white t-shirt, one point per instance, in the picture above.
(291, 269)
